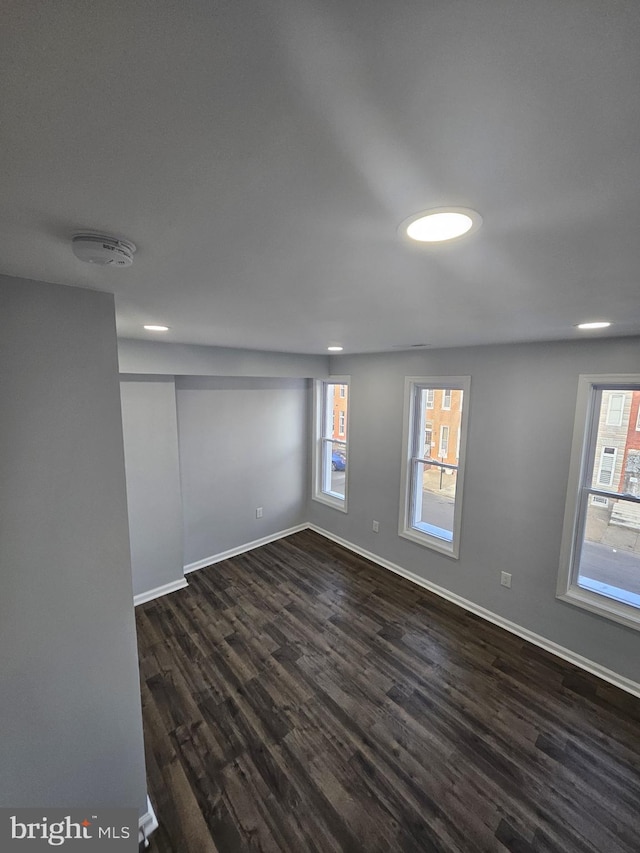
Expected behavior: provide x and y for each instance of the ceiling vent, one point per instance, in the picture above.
(103, 251)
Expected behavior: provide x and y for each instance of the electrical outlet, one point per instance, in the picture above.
(376, 527)
(505, 579)
(259, 512)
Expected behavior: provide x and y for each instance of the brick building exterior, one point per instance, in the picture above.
(443, 419)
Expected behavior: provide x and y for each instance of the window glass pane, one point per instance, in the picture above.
(435, 499)
(435, 467)
(441, 418)
(338, 467)
(610, 552)
(336, 400)
(613, 439)
(333, 440)
(600, 565)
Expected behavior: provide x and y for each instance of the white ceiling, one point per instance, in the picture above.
(262, 153)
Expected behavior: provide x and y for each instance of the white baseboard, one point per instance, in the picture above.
(159, 591)
(581, 662)
(242, 549)
(147, 824)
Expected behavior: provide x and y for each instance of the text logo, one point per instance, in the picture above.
(104, 830)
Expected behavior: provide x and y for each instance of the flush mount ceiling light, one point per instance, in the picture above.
(598, 324)
(335, 349)
(103, 251)
(441, 224)
(152, 328)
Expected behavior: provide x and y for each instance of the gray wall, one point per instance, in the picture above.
(188, 360)
(70, 701)
(243, 444)
(520, 430)
(153, 480)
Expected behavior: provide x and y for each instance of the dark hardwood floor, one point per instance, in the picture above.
(299, 698)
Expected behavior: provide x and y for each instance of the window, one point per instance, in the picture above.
(600, 557)
(428, 437)
(431, 504)
(615, 409)
(330, 445)
(607, 466)
(444, 441)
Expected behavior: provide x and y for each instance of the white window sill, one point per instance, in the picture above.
(609, 608)
(332, 500)
(433, 542)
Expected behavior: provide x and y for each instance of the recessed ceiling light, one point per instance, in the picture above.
(441, 224)
(157, 328)
(599, 324)
(335, 349)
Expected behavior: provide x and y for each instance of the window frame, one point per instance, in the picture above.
(412, 440)
(579, 493)
(321, 468)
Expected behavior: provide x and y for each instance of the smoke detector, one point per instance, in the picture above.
(102, 250)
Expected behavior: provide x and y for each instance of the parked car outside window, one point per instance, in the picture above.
(338, 461)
